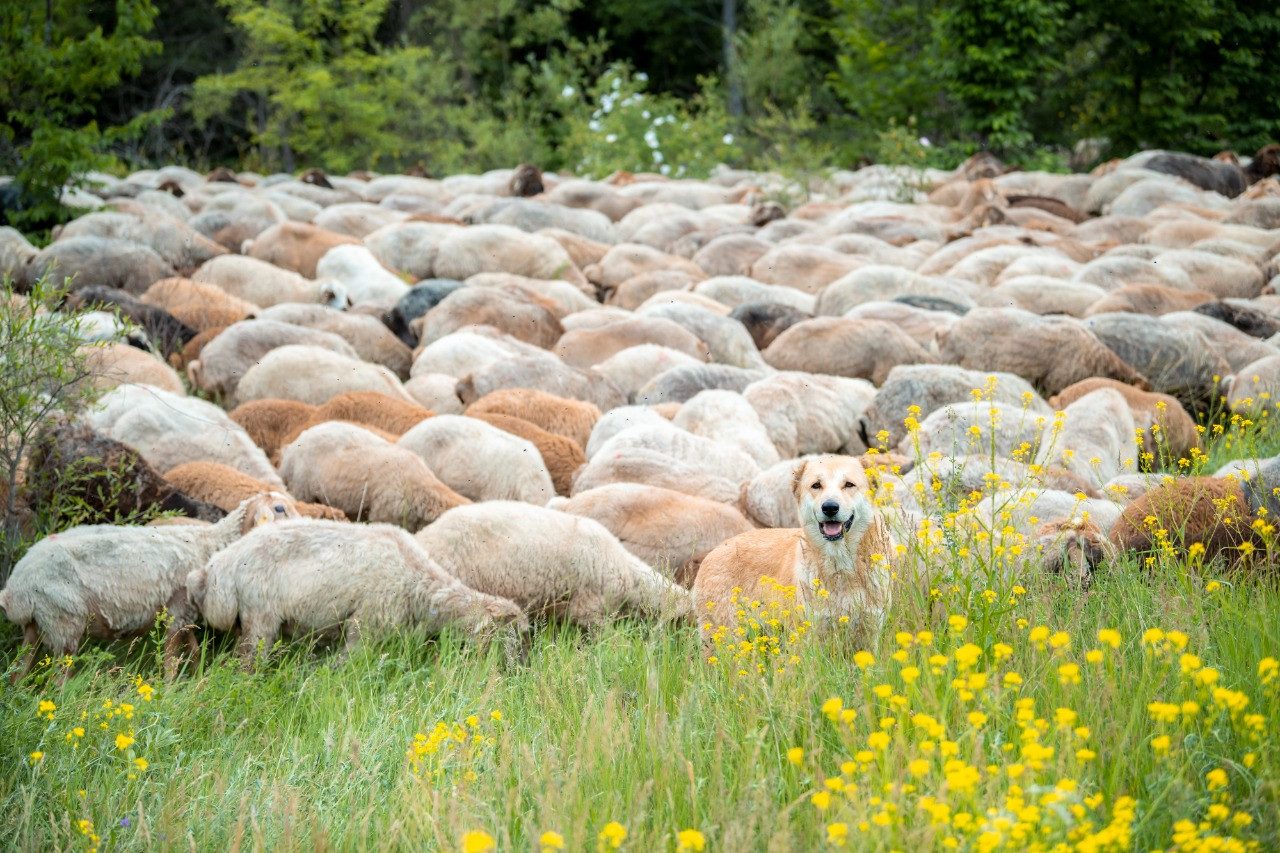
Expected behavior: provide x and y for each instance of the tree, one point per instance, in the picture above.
(58, 64)
(43, 372)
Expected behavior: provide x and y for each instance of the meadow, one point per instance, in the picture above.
(992, 712)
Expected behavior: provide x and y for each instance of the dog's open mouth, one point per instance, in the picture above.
(832, 530)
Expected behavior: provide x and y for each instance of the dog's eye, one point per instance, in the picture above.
(816, 486)
(848, 485)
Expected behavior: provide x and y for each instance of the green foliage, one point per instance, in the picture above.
(58, 65)
(42, 373)
(629, 129)
(997, 53)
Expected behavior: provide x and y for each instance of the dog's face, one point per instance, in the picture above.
(833, 496)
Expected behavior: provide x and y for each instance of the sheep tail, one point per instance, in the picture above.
(214, 597)
(17, 607)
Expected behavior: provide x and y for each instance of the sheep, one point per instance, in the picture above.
(436, 392)
(703, 454)
(669, 530)
(809, 413)
(727, 418)
(500, 248)
(312, 374)
(371, 340)
(627, 260)
(550, 563)
(728, 341)
(582, 252)
(573, 419)
(1043, 295)
(373, 409)
(652, 468)
(356, 219)
(585, 348)
(730, 254)
(561, 298)
(223, 487)
(99, 261)
(1097, 439)
(172, 239)
(1168, 432)
(545, 373)
(859, 349)
(114, 364)
(1049, 352)
(1217, 513)
(411, 247)
(415, 302)
(367, 477)
(1256, 387)
(879, 283)
(806, 268)
(102, 478)
(764, 321)
(269, 422)
(167, 430)
(979, 426)
(324, 576)
(200, 306)
(264, 284)
(225, 360)
(562, 456)
(296, 246)
(635, 291)
(680, 383)
(635, 367)
(1176, 362)
(363, 275)
(924, 325)
(1152, 299)
(1236, 348)
(467, 350)
(168, 332)
(481, 461)
(471, 306)
(114, 581)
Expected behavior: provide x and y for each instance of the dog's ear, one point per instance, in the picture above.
(797, 477)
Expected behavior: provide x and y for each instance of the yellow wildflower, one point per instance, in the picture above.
(478, 842)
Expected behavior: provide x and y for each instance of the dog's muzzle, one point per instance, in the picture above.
(833, 530)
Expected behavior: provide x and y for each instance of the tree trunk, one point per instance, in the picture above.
(729, 21)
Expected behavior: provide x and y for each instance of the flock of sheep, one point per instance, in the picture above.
(481, 399)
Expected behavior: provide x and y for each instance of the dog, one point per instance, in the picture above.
(840, 561)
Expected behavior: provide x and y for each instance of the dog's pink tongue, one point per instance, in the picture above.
(830, 528)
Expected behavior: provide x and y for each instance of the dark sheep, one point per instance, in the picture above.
(1227, 179)
(420, 299)
(1248, 320)
(168, 332)
(527, 181)
(766, 320)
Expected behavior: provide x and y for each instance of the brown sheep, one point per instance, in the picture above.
(585, 348)
(1149, 408)
(472, 306)
(201, 306)
(195, 346)
(296, 246)
(572, 419)
(669, 530)
(562, 456)
(1153, 299)
(633, 292)
(225, 488)
(270, 422)
(1217, 513)
(117, 364)
(859, 349)
(385, 416)
(1049, 352)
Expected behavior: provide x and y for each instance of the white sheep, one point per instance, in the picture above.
(362, 274)
(727, 418)
(314, 375)
(480, 461)
(550, 563)
(168, 430)
(113, 580)
(266, 284)
(321, 576)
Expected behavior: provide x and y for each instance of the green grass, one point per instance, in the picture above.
(633, 723)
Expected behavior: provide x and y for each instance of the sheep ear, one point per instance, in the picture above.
(797, 478)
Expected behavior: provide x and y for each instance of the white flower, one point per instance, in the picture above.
(595, 125)
(617, 84)
(651, 138)
(642, 77)
(924, 140)
(657, 156)
(645, 114)
(665, 169)
(727, 139)
(613, 137)
(568, 92)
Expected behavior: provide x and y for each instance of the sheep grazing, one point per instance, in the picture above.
(1218, 513)
(113, 581)
(368, 478)
(480, 461)
(200, 306)
(224, 488)
(113, 364)
(167, 331)
(312, 374)
(861, 349)
(550, 563)
(270, 422)
(225, 360)
(1168, 431)
(562, 456)
(323, 576)
(563, 416)
(669, 530)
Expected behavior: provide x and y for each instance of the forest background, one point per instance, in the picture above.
(672, 86)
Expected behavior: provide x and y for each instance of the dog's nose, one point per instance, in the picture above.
(830, 508)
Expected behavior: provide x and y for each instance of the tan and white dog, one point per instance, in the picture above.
(840, 560)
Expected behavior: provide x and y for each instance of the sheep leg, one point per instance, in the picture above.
(179, 633)
(350, 639)
(251, 634)
(30, 639)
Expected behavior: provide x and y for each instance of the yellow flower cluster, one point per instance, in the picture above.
(451, 752)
